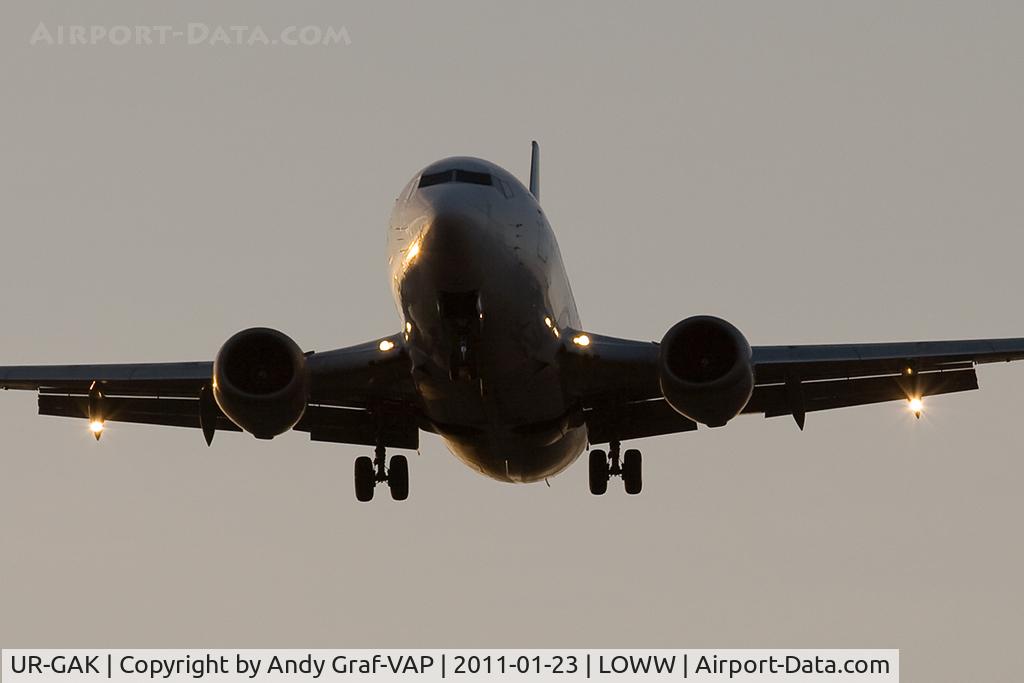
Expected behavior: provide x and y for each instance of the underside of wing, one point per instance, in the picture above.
(798, 398)
(618, 382)
(361, 394)
(795, 380)
(369, 427)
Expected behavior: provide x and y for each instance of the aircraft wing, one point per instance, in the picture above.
(616, 380)
(357, 394)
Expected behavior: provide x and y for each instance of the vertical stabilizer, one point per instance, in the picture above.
(535, 171)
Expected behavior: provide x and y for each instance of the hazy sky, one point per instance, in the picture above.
(811, 171)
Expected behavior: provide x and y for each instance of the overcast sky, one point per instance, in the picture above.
(811, 171)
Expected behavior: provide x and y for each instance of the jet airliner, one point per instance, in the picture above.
(492, 356)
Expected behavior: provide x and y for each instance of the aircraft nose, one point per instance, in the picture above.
(456, 246)
(450, 232)
(454, 226)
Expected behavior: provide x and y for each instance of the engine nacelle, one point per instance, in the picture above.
(705, 370)
(260, 381)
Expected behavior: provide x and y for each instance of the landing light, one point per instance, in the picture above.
(547, 321)
(386, 345)
(413, 252)
(916, 406)
(97, 427)
(581, 340)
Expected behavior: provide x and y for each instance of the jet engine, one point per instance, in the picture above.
(260, 381)
(705, 371)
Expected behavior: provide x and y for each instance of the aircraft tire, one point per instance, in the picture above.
(398, 477)
(598, 472)
(364, 479)
(632, 471)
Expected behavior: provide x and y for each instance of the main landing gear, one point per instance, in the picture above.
(603, 466)
(369, 472)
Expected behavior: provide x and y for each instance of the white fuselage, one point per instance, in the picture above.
(484, 298)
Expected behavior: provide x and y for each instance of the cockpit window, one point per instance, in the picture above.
(455, 176)
(428, 179)
(472, 177)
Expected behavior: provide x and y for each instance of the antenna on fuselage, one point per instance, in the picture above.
(535, 170)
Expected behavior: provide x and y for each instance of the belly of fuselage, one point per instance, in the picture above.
(484, 342)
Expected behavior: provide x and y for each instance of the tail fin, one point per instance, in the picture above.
(535, 171)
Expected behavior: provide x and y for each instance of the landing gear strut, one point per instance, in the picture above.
(463, 366)
(368, 473)
(603, 466)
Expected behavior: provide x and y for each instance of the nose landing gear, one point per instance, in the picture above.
(368, 473)
(462, 315)
(603, 466)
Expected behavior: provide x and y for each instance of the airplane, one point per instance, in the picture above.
(491, 355)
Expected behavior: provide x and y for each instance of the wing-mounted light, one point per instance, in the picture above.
(911, 381)
(97, 418)
(916, 406)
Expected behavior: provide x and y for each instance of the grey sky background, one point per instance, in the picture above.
(811, 171)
